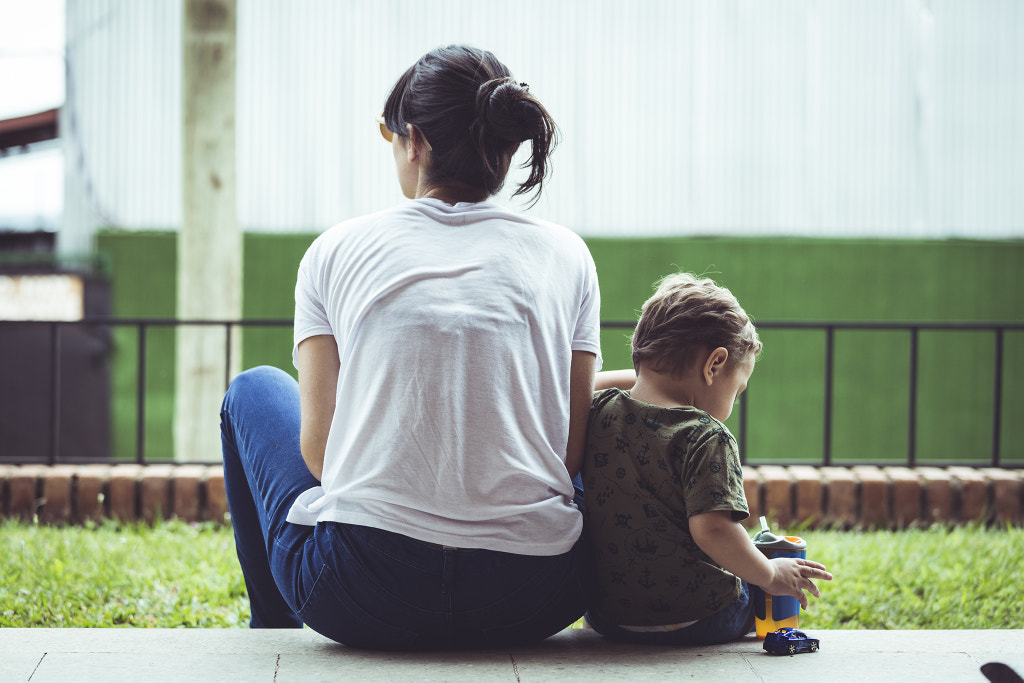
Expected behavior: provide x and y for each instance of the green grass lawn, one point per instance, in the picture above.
(172, 575)
(177, 575)
(940, 578)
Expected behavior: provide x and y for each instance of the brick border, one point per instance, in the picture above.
(863, 496)
(67, 494)
(866, 496)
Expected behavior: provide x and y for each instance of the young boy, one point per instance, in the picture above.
(662, 480)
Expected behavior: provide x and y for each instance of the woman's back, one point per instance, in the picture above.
(455, 327)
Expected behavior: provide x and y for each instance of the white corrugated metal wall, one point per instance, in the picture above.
(868, 118)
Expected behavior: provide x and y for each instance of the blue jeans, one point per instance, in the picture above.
(362, 586)
(731, 623)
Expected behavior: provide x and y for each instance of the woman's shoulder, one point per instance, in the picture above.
(554, 239)
(371, 225)
(555, 230)
(357, 224)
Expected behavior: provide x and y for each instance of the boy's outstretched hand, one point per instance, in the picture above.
(792, 576)
(728, 544)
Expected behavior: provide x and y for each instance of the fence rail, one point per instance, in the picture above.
(143, 326)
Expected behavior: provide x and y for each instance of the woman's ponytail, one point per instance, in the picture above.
(506, 115)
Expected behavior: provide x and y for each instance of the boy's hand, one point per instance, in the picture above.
(792, 576)
(727, 543)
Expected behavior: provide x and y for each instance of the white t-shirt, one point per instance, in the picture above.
(455, 328)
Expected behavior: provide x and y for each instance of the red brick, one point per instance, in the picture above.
(1006, 494)
(22, 485)
(155, 493)
(905, 485)
(778, 499)
(842, 487)
(89, 493)
(216, 498)
(57, 488)
(939, 507)
(808, 493)
(972, 488)
(122, 492)
(187, 497)
(874, 496)
(752, 491)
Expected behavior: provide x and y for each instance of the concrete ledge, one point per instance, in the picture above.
(189, 655)
(861, 496)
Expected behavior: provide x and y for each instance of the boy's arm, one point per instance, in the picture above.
(581, 394)
(615, 379)
(318, 366)
(727, 543)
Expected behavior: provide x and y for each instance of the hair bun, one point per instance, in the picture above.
(507, 111)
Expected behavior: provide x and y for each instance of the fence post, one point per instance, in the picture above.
(912, 401)
(997, 399)
(55, 372)
(829, 357)
(140, 398)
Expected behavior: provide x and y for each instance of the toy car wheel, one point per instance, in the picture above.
(814, 647)
(792, 649)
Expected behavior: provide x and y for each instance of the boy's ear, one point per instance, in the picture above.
(714, 366)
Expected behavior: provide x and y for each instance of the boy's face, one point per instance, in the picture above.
(719, 398)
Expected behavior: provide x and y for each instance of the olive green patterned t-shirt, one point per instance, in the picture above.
(647, 470)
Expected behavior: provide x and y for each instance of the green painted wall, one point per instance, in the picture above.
(776, 279)
(853, 280)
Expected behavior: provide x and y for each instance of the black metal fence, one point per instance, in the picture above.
(55, 386)
(998, 331)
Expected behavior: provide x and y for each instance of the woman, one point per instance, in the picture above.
(413, 490)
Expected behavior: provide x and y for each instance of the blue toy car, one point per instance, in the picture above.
(789, 641)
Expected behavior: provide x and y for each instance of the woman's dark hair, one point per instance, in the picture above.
(474, 116)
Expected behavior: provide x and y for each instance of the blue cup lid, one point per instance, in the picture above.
(766, 540)
(769, 541)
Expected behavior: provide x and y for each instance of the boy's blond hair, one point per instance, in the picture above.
(688, 316)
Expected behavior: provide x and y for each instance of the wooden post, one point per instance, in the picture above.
(210, 240)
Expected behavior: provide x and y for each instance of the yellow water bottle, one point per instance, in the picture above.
(772, 612)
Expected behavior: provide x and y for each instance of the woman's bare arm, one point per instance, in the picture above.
(615, 379)
(318, 386)
(581, 393)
